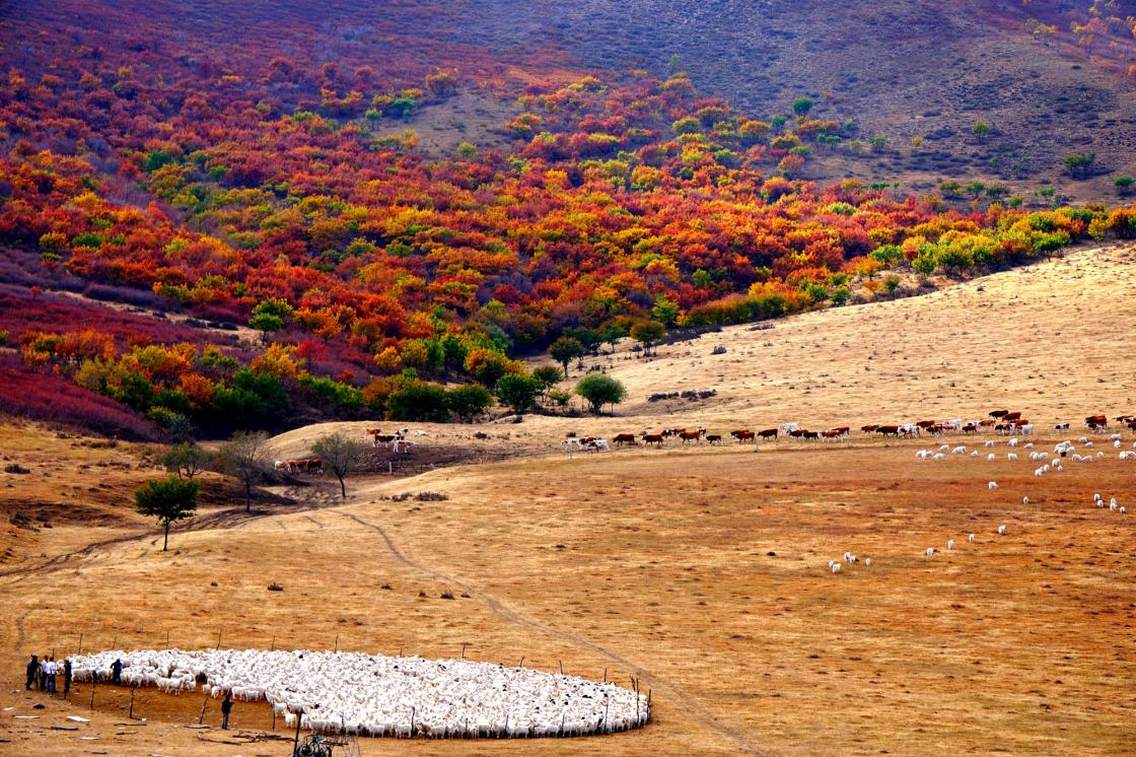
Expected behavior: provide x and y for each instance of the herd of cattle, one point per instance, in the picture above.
(1001, 421)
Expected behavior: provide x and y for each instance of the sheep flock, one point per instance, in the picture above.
(375, 695)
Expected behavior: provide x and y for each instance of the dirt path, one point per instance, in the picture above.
(691, 706)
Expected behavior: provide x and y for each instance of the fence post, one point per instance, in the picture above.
(94, 682)
(201, 716)
(337, 642)
(218, 638)
(80, 644)
(132, 688)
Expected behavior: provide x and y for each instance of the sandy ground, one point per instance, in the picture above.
(700, 570)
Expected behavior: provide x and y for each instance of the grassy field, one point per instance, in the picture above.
(701, 570)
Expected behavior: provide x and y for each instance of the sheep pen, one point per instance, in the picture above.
(375, 695)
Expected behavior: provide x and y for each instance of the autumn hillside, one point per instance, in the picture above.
(382, 210)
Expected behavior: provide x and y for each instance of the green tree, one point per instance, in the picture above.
(468, 401)
(803, 105)
(186, 460)
(245, 456)
(648, 333)
(170, 499)
(340, 454)
(270, 315)
(599, 390)
(981, 130)
(611, 332)
(1124, 184)
(566, 349)
(418, 401)
(548, 376)
(665, 310)
(1080, 164)
(519, 392)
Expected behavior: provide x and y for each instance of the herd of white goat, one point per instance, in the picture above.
(1065, 451)
(374, 695)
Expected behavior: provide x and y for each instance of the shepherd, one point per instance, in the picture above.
(32, 670)
(226, 708)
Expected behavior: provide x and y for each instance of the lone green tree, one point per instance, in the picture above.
(600, 390)
(245, 457)
(566, 349)
(518, 392)
(186, 460)
(341, 455)
(169, 499)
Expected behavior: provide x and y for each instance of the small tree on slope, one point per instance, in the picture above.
(341, 455)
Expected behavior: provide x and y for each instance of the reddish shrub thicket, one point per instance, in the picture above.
(40, 396)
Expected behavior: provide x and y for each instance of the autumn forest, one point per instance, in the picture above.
(195, 231)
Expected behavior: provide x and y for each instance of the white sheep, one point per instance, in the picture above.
(992, 485)
(970, 538)
(991, 457)
(868, 561)
(1012, 457)
(1025, 500)
(1013, 442)
(1002, 530)
(950, 543)
(930, 551)
(835, 567)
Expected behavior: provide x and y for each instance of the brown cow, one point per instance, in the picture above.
(810, 434)
(1096, 421)
(768, 433)
(869, 428)
(1012, 416)
(656, 439)
(998, 413)
(688, 436)
(841, 430)
(622, 439)
(887, 430)
(713, 438)
(925, 424)
(742, 435)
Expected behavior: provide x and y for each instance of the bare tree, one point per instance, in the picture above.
(341, 455)
(245, 457)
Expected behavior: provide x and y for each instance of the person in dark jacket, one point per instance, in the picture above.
(32, 671)
(66, 677)
(226, 708)
(116, 671)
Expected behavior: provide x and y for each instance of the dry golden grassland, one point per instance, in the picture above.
(701, 570)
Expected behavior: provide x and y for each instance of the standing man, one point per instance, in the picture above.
(116, 672)
(50, 670)
(226, 708)
(67, 678)
(32, 671)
